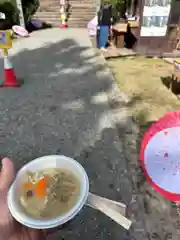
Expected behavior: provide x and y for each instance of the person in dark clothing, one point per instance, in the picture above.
(104, 22)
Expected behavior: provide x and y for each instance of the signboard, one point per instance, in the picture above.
(155, 18)
(5, 40)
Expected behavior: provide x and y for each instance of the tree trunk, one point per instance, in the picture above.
(21, 15)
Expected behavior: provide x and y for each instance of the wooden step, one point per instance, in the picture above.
(77, 25)
(80, 16)
(53, 23)
(71, 10)
(71, 21)
(53, 3)
(54, 18)
(58, 2)
(56, 23)
(57, 18)
(57, 15)
(78, 20)
(47, 17)
(80, 12)
(74, 5)
(83, 6)
(48, 13)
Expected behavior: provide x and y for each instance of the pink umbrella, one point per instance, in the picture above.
(92, 26)
(160, 156)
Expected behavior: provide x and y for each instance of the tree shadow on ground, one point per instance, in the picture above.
(108, 177)
(62, 108)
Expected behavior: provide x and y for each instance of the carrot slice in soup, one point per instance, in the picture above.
(41, 187)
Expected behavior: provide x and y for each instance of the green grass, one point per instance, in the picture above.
(141, 79)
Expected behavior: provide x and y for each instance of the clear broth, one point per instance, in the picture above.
(62, 194)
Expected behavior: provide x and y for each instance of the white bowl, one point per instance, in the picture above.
(53, 161)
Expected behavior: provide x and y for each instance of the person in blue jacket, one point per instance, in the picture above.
(104, 23)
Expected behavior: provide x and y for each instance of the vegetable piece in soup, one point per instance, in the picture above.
(49, 193)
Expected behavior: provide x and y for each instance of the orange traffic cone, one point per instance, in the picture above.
(63, 24)
(10, 76)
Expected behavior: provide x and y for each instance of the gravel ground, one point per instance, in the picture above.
(69, 104)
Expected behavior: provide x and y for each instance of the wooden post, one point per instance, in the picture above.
(5, 52)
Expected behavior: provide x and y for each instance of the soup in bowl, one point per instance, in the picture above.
(48, 192)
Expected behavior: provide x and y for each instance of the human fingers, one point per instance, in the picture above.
(7, 174)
